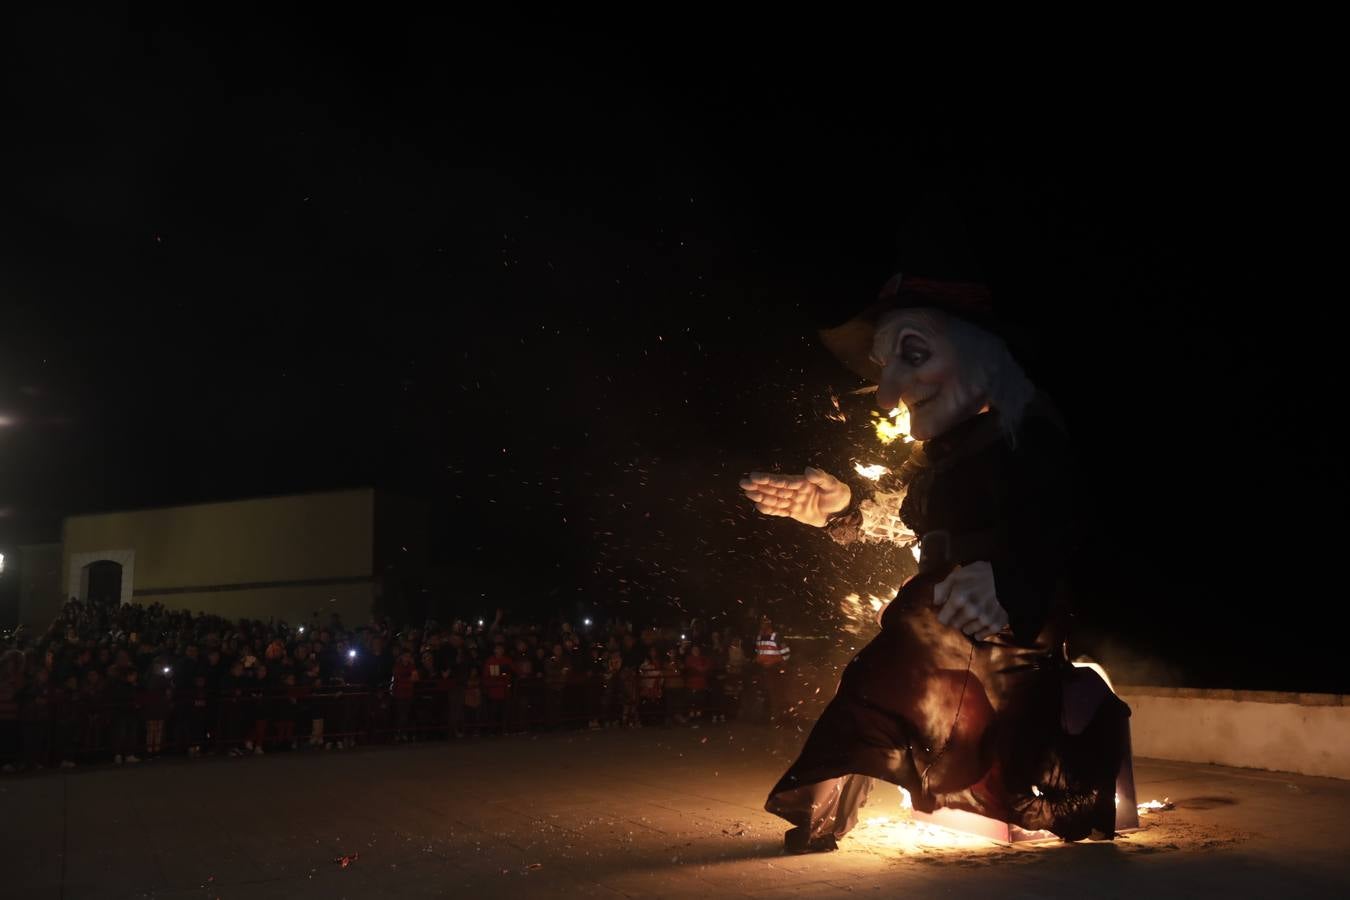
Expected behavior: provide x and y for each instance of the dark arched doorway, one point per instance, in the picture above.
(105, 582)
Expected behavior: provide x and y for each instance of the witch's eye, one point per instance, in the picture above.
(914, 350)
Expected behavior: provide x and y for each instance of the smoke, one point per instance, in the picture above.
(1126, 663)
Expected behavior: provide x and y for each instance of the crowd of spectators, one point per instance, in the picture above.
(128, 682)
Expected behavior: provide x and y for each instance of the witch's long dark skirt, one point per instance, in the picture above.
(969, 725)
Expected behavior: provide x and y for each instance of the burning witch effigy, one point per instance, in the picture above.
(966, 698)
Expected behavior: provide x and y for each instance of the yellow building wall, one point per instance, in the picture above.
(40, 596)
(236, 558)
(270, 539)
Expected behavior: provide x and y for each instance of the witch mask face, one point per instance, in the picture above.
(922, 368)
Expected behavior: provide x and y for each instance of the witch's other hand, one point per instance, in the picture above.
(966, 599)
(809, 498)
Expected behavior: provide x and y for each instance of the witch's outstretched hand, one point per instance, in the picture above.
(809, 498)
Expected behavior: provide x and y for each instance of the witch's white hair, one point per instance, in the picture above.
(987, 365)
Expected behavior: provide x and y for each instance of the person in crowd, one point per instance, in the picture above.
(650, 684)
(403, 686)
(697, 676)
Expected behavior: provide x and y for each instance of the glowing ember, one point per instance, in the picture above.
(894, 425)
(1154, 805)
(836, 414)
(874, 471)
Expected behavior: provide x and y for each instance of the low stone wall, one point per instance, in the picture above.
(1304, 733)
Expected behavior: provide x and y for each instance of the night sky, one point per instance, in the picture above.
(562, 284)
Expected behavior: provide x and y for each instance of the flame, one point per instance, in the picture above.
(851, 607)
(902, 832)
(877, 603)
(1086, 664)
(1163, 804)
(874, 471)
(894, 425)
(887, 833)
(855, 609)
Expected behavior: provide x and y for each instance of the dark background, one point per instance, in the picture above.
(561, 282)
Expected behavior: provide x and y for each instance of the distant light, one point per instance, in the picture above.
(2, 562)
(682, 637)
(586, 621)
(302, 629)
(351, 654)
(166, 670)
(480, 621)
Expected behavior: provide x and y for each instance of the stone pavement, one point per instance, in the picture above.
(649, 813)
